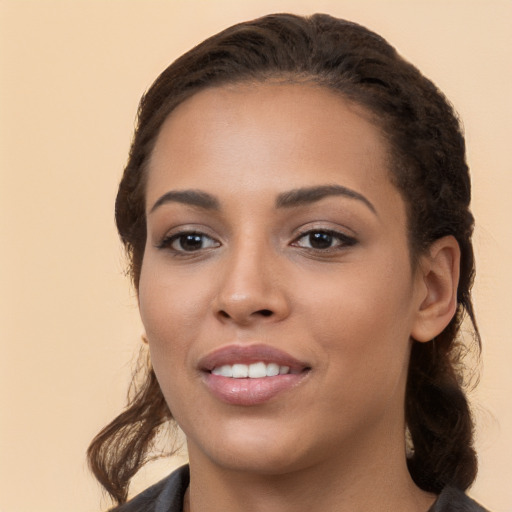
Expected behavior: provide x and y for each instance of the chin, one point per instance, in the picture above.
(257, 451)
(257, 462)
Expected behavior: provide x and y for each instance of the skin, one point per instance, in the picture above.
(335, 441)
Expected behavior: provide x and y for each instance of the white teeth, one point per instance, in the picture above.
(273, 369)
(253, 371)
(225, 371)
(257, 370)
(240, 371)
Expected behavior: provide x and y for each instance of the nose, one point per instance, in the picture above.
(251, 287)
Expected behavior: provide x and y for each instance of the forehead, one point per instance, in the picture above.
(272, 135)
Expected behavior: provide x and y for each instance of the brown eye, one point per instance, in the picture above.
(188, 242)
(322, 240)
(191, 242)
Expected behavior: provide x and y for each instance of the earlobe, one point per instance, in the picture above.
(439, 269)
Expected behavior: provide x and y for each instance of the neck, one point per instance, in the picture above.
(375, 478)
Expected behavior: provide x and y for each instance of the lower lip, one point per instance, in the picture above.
(250, 391)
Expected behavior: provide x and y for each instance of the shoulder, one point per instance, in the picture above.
(455, 500)
(165, 496)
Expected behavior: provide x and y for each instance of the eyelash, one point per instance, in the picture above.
(168, 241)
(342, 239)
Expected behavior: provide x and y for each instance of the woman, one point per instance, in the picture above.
(295, 209)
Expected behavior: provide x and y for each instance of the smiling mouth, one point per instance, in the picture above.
(256, 370)
(251, 375)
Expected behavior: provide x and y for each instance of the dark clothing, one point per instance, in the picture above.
(167, 496)
(453, 500)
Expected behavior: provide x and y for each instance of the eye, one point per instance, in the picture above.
(323, 240)
(188, 242)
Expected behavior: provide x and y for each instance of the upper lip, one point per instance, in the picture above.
(248, 354)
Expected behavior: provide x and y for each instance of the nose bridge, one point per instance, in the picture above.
(249, 287)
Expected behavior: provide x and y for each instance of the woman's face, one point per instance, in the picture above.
(277, 245)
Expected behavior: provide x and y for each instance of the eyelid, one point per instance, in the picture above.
(173, 234)
(344, 239)
(169, 241)
(325, 226)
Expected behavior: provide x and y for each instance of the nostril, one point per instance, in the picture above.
(245, 316)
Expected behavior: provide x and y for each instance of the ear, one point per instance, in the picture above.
(439, 278)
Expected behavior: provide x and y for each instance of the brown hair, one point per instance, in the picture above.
(428, 155)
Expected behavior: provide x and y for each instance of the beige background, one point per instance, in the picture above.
(71, 76)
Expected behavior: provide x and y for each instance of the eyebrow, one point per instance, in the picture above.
(308, 195)
(290, 199)
(191, 197)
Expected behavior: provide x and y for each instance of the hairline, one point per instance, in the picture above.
(319, 81)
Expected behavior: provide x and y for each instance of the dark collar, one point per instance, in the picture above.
(167, 496)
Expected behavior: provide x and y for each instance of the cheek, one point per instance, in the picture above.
(168, 311)
(363, 320)
(169, 307)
